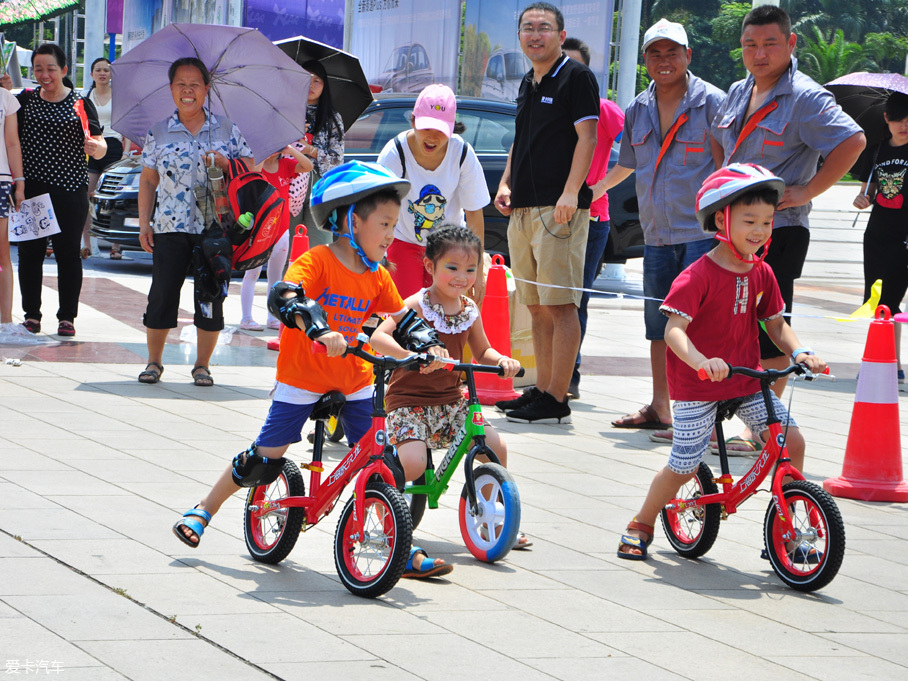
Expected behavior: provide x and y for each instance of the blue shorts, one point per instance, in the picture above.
(284, 423)
(661, 264)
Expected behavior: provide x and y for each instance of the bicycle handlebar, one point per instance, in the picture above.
(454, 365)
(384, 361)
(770, 374)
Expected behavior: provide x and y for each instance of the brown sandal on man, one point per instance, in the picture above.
(645, 418)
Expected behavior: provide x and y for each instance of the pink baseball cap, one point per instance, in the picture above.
(435, 109)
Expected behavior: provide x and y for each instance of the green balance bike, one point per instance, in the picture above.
(489, 510)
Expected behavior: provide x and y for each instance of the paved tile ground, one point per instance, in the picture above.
(96, 468)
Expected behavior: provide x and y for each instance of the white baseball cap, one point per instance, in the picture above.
(665, 30)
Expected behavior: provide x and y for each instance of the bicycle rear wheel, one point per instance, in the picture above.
(371, 565)
(693, 531)
(270, 538)
(490, 533)
(813, 559)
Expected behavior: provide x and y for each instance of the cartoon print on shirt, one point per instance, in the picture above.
(428, 210)
(890, 184)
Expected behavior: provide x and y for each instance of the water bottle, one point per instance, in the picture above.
(219, 190)
(244, 222)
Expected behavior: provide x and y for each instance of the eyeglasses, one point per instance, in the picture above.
(544, 29)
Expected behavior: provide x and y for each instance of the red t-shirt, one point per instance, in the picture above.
(609, 127)
(349, 299)
(724, 309)
(286, 171)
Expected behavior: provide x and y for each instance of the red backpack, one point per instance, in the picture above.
(249, 192)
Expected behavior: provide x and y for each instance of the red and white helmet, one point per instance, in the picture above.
(724, 186)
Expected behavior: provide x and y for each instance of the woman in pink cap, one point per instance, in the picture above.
(447, 185)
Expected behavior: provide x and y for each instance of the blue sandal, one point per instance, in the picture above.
(427, 568)
(193, 525)
(633, 542)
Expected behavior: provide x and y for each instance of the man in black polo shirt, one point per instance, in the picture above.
(544, 191)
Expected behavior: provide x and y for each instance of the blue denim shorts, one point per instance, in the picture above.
(284, 423)
(661, 264)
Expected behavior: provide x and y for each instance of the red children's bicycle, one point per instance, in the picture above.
(372, 541)
(803, 530)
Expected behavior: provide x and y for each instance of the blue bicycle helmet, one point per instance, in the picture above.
(344, 186)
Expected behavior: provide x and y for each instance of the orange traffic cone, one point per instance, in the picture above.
(298, 246)
(873, 456)
(496, 320)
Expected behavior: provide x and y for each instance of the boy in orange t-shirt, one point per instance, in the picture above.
(359, 202)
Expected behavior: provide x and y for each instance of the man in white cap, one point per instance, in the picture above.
(666, 141)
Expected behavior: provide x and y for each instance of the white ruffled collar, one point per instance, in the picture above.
(449, 324)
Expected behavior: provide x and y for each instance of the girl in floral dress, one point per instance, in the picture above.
(426, 409)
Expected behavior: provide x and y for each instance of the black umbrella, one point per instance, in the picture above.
(350, 91)
(863, 97)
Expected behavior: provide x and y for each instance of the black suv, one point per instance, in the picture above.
(489, 129)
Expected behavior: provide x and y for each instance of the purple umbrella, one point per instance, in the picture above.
(863, 97)
(253, 83)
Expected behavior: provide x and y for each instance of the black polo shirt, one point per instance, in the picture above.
(545, 137)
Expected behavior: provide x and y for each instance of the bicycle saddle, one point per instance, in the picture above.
(727, 408)
(328, 405)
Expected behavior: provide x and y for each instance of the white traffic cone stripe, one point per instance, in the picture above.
(878, 383)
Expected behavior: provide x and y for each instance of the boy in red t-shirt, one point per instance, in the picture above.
(713, 309)
(280, 171)
(360, 203)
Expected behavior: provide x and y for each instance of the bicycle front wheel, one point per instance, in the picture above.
(813, 559)
(371, 565)
(270, 538)
(491, 531)
(693, 531)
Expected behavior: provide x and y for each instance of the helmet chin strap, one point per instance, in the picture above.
(371, 265)
(724, 238)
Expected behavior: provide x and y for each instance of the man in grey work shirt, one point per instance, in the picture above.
(666, 140)
(781, 119)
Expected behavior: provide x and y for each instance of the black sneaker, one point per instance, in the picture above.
(546, 409)
(528, 396)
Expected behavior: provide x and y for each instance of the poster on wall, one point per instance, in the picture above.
(321, 20)
(405, 45)
(493, 63)
(141, 18)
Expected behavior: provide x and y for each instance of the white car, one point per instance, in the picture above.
(504, 72)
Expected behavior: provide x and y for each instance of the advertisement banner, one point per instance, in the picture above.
(114, 16)
(141, 18)
(321, 20)
(405, 45)
(493, 63)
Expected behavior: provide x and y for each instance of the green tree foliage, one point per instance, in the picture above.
(887, 50)
(825, 61)
(476, 51)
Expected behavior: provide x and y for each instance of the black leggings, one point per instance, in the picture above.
(71, 209)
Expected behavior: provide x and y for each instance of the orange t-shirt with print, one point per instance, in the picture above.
(348, 299)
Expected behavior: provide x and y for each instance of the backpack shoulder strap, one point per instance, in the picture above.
(400, 152)
(463, 154)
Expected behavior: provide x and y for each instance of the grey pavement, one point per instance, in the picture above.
(96, 469)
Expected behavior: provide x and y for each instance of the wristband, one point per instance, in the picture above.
(805, 350)
(18, 179)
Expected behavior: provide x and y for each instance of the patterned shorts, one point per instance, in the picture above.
(5, 203)
(436, 425)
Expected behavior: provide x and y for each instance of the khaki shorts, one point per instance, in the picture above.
(548, 253)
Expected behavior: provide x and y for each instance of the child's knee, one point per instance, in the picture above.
(412, 456)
